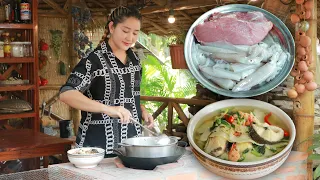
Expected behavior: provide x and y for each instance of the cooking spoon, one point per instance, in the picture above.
(162, 138)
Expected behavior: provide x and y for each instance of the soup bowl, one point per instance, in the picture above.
(240, 170)
(86, 157)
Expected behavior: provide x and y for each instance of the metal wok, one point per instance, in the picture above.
(148, 163)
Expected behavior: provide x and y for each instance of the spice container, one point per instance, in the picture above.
(27, 49)
(6, 45)
(17, 49)
(1, 49)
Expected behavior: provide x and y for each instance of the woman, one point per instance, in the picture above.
(105, 86)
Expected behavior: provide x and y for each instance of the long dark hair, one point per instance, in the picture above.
(119, 15)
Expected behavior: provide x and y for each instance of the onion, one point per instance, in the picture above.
(308, 14)
(292, 93)
(302, 81)
(294, 18)
(300, 88)
(305, 57)
(299, 1)
(298, 34)
(308, 75)
(302, 14)
(299, 77)
(308, 5)
(310, 86)
(294, 72)
(305, 41)
(302, 66)
(301, 50)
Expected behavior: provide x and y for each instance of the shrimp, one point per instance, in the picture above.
(244, 115)
(234, 154)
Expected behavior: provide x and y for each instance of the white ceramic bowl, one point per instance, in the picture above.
(85, 160)
(240, 170)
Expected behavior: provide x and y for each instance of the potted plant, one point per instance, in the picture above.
(176, 46)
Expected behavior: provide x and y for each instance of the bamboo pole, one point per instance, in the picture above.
(303, 108)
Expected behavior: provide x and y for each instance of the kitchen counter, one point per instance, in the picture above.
(187, 168)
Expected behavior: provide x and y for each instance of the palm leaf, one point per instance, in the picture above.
(316, 173)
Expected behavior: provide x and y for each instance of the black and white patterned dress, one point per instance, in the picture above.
(104, 78)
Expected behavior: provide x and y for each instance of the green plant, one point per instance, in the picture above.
(56, 42)
(159, 80)
(178, 38)
(315, 145)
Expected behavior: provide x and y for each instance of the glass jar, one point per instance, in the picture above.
(17, 49)
(27, 49)
(1, 49)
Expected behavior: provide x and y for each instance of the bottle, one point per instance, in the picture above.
(27, 49)
(16, 12)
(7, 13)
(25, 11)
(1, 49)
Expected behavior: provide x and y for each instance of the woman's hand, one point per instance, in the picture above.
(148, 119)
(118, 111)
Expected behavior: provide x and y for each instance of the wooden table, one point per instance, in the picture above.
(25, 143)
(187, 168)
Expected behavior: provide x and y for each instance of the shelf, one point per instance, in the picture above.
(16, 26)
(17, 60)
(19, 115)
(16, 87)
(51, 87)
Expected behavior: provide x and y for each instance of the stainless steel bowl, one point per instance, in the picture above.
(147, 147)
(279, 33)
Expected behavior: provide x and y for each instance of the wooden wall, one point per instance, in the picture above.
(51, 70)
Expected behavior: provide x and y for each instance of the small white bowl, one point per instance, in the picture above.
(85, 160)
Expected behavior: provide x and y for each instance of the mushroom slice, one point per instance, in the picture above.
(266, 134)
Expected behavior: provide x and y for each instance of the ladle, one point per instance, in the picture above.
(162, 138)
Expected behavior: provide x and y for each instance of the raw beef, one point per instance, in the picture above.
(245, 28)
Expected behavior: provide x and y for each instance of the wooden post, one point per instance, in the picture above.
(170, 116)
(303, 107)
(75, 113)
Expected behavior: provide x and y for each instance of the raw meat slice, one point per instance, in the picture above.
(246, 28)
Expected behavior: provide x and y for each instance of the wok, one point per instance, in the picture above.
(148, 163)
(148, 147)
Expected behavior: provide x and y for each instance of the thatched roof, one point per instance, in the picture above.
(155, 12)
